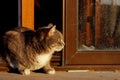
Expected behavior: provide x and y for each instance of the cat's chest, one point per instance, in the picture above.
(43, 59)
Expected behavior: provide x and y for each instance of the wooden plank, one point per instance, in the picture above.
(3, 65)
(88, 12)
(28, 13)
(88, 67)
(97, 22)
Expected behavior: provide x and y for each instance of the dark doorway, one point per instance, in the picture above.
(8, 15)
(48, 11)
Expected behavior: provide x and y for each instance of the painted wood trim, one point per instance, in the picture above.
(28, 13)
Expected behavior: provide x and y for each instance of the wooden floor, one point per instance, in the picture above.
(99, 75)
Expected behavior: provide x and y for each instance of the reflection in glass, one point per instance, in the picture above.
(99, 25)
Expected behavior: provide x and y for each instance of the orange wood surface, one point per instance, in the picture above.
(88, 12)
(97, 22)
(28, 13)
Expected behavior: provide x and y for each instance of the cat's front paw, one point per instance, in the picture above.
(50, 71)
(25, 72)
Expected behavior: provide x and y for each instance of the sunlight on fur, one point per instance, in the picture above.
(29, 50)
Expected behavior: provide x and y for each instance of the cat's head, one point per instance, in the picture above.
(51, 37)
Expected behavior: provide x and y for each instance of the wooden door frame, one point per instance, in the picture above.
(71, 21)
(69, 61)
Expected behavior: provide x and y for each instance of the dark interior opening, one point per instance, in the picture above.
(8, 15)
(48, 11)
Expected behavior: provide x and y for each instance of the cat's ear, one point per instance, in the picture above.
(52, 30)
(50, 25)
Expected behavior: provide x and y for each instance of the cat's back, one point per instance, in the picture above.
(14, 42)
(18, 33)
(21, 29)
(13, 39)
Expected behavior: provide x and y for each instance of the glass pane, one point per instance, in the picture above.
(99, 25)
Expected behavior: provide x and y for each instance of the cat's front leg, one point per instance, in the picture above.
(48, 69)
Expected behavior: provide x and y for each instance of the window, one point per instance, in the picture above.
(99, 25)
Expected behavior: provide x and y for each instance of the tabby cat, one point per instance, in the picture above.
(29, 50)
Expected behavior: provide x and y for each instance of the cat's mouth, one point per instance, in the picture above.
(59, 48)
